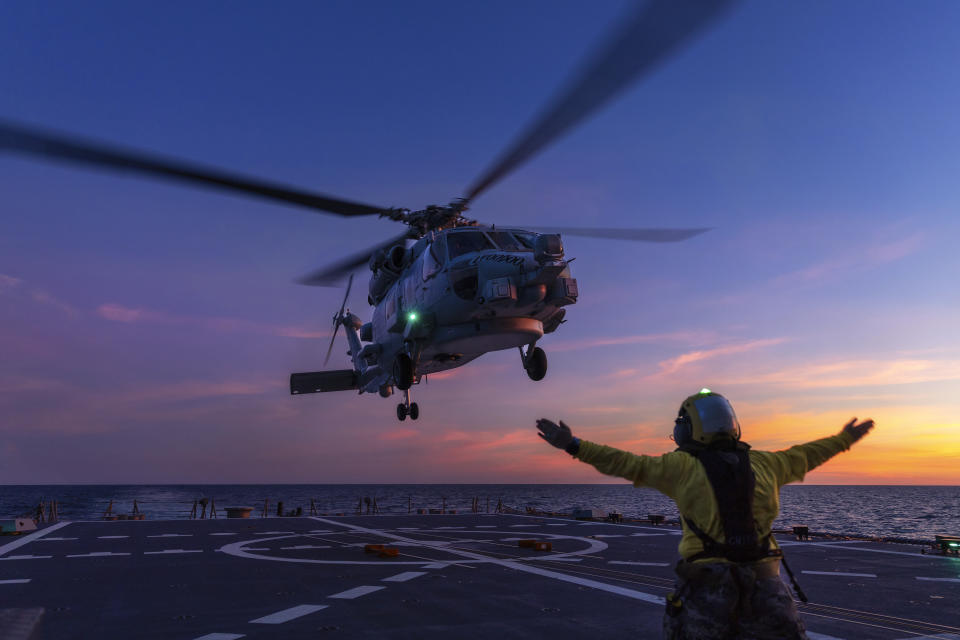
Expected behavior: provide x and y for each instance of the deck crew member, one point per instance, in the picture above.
(728, 495)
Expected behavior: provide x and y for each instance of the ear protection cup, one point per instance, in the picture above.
(682, 428)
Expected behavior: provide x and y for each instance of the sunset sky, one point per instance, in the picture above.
(147, 330)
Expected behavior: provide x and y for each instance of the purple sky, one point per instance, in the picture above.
(147, 330)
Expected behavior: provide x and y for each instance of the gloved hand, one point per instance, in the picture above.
(557, 435)
(858, 430)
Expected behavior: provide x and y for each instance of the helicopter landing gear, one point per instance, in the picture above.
(407, 408)
(403, 371)
(534, 361)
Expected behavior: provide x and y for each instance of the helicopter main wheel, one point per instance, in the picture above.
(414, 411)
(403, 371)
(536, 364)
(402, 413)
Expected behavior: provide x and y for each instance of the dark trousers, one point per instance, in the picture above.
(727, 601)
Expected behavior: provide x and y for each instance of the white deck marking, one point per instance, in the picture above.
(643, 535)
(444, 528)
(486, 526)
(165, 551)
(26, 557)
(436, 565)
(30, 537)
(15, 581)
(97, 554)
(406, 575)
(321, 531)
(172, 535)
(289, 614)
(225, 533)
(813, 635)
(939, 579)
(306, 546)
(273, 533)
(840, 573)
(398, 529)
(939, 636)
(221, 636)
(639, 564)
(356, 592)
(53, 539)
(255, 549)
(556, 524)
(548, 559)
(111, 537)
(520, 566)
(927, 556)
(523, 526)
(609, 535)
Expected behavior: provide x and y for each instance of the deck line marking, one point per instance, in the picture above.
(639, 564)
(153, 553)
(306, 546)
(15, 581)
(55, 539)
(26, 557)
(403, 577)
(289, 614)
(939, 636)
(486, 526)
(939, 579)
(111, 537)
(356, 592)
(520, 566)
(644, 535)
(813, 635)
(436, 565)
(662, 529)
(30, 537)
(224, 533)
(895, 553)
(273, 533)
(221, 636)
(562, 559)
(840, 573)
(97, 554)
(171, 535)
(609, 535)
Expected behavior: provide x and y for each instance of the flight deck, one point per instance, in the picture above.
(424, 576)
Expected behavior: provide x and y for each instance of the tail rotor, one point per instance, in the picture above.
(338, 319)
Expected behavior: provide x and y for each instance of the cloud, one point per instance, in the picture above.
(856, 373)
(134, 315)
(675, 364)
(856, 258)
(695, 337)
(7, 283)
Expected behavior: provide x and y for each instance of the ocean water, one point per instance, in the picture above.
(914, 512)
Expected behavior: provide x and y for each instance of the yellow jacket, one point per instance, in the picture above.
(681, 477)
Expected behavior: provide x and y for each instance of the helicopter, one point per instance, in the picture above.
(449, 288)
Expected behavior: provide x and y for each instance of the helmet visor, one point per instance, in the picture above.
(717, 416)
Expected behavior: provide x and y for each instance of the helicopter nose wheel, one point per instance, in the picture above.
(534, 361)
(407, 408)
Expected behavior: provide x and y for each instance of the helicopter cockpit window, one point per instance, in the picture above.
(526, 239)
(431, 264)
(462, 242)
(505, 241)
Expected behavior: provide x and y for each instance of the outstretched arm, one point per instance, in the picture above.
(794, 463)
(660, 472)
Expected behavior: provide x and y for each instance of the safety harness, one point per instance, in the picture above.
(727, 464)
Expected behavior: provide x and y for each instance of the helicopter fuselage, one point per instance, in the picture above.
(453, 296)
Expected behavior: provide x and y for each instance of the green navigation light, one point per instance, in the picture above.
(412, 316)
(705, 390)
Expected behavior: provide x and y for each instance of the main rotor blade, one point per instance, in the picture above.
(638, 235)
(332, 274)
(655, 31)
(18, 138)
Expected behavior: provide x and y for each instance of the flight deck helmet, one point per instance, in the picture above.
(705, 417)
